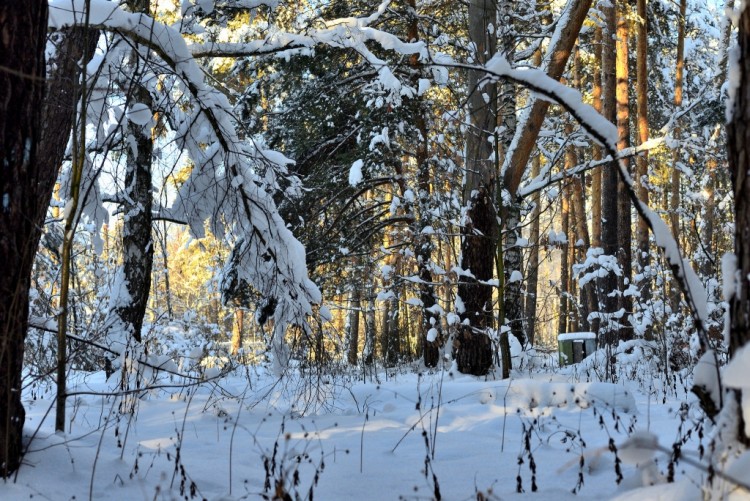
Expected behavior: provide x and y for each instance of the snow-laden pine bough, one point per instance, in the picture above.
(232, 185)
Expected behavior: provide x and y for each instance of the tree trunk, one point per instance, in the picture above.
(513, 302)
(608, 283)
(674, 198)
(679, 72)
(430, 320)
(390, 339)
(238, 330)
(738, 138)
(562, 321)
(512, 309)
(137, 243)
(473, 349)
(532, 278)
(368, 352)
(641, 161)
(624, 223)
(352, 325)
(581, 238)
(25, 191)
(596, 175)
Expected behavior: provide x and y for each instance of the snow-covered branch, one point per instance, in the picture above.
(605, 133)
(234, 179)
(544, 180)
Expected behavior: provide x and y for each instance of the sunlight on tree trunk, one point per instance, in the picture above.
(674, 194)
(624, 223)
(641, 169)
(610, 177)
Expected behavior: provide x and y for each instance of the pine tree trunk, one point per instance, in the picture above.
(610, 178)
(674, 198)
(562, 321)
(423, 241)
(557, 58)
(368, 353)
(352, 325)
(642, 160)
(238, 330)
(580, 231)
(738, 139)
(596, 175)
(624, 223)
(473, 350)
(25, 191)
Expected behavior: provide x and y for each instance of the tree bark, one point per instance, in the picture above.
(608, 283)
(473, 350)
(562, 321)
(674, 198)
(238, 330)
(390, 345)
(352, 325)
(624, 223)
(532, 278)
(25, 190)
(137, 242)
(511, 253)
(738, 137)
(679, 72)
(423, 241)
(641, 161)
(368, 352)
(596, 175)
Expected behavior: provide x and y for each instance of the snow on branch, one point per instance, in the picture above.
(343, 33)
(340, 33)
(546, 179)
(605, 133)
(234, 179)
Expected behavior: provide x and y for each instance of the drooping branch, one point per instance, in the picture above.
(605, 133)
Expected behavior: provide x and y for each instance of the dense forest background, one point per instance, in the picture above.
(313, 189)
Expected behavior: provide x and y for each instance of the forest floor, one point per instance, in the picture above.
(389, 436)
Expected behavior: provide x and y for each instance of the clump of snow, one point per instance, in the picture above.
(515, 276)
(139, 114)
(557, 238)
(737, 373)
(432, 335)
(355, 173)
(325, 314)
(424, 86)
(569, 336)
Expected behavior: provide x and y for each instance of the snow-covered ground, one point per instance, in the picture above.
(402, 436)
